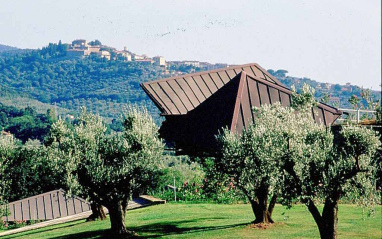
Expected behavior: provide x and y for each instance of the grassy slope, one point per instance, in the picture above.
(217, 221)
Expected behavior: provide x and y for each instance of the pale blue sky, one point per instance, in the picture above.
(334, 41)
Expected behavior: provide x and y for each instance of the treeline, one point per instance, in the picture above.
(25, 123)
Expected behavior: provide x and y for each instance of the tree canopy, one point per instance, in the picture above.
(109, 167)
(286, 153)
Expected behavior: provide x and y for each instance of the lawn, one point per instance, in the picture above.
(177, 220)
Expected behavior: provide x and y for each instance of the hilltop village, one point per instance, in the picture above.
(81, 48)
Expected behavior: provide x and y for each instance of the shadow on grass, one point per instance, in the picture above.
(155, 230)
(170, 228)
(42, 230)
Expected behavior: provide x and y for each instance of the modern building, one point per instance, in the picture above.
(197, 106)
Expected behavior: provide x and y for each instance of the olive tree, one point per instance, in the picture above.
(8, 146)
(251, 160)
(325, 166)
(286, 152)
(109, 167)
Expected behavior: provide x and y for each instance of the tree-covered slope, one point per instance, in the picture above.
(47, 79)
(102, 86)
(4, 48)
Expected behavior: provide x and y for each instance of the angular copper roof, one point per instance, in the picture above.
(197, 107)
(181, 94)
(254, 91)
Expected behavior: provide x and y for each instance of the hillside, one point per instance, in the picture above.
(4, 48)
(332, 94)
(104, 87)
(46, 79)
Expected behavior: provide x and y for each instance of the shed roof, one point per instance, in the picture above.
(181, 94)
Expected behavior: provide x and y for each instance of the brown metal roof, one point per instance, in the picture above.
(181, 94)
(45, 206)
(197, 106)
(254, 91)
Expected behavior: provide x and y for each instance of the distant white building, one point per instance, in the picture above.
(191, 63)
(77, 53)
(127, 55)
(80, 43)
(159, 61)
(104, 54)
(138, 57)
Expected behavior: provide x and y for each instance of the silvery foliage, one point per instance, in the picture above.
(252, 158)
(319, 165)
(8, 146)
(108, 164)
(298, 158)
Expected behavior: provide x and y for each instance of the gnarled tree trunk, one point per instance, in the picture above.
(97, 212)
(327, 222)
(117, 212)
(263, 214)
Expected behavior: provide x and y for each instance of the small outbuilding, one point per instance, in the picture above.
(197, 106)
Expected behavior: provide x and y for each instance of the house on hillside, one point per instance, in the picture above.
(104, 54)
(79, 44)
(81, 49)
(125, 54)
(77, 53)
(197, 106)
(159, 61)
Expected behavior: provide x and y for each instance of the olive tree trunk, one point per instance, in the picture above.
(327, 222)
(260, 208)
(117, 212)
(97, 212)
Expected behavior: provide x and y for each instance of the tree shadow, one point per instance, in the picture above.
(42, 230)
(175, 227)
(155, 230)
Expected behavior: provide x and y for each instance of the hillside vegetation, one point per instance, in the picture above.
(46, 79)
(7, 48)
(104, 87)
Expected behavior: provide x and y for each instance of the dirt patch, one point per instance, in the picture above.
(263, 226)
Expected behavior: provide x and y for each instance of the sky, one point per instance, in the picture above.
(335, 41)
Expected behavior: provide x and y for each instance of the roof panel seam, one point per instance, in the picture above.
(169, 98)
(269, 94)
(258, 92)
(164, 105)
(243, 121)
(185, 93)
(198, 87)
(192, 90)
(201, 77)
(177, 96)
(228, 75)
(213, 82)
(222, 78)
(219, 78)
(250, 100)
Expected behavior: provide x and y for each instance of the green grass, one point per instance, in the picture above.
(217, 221)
